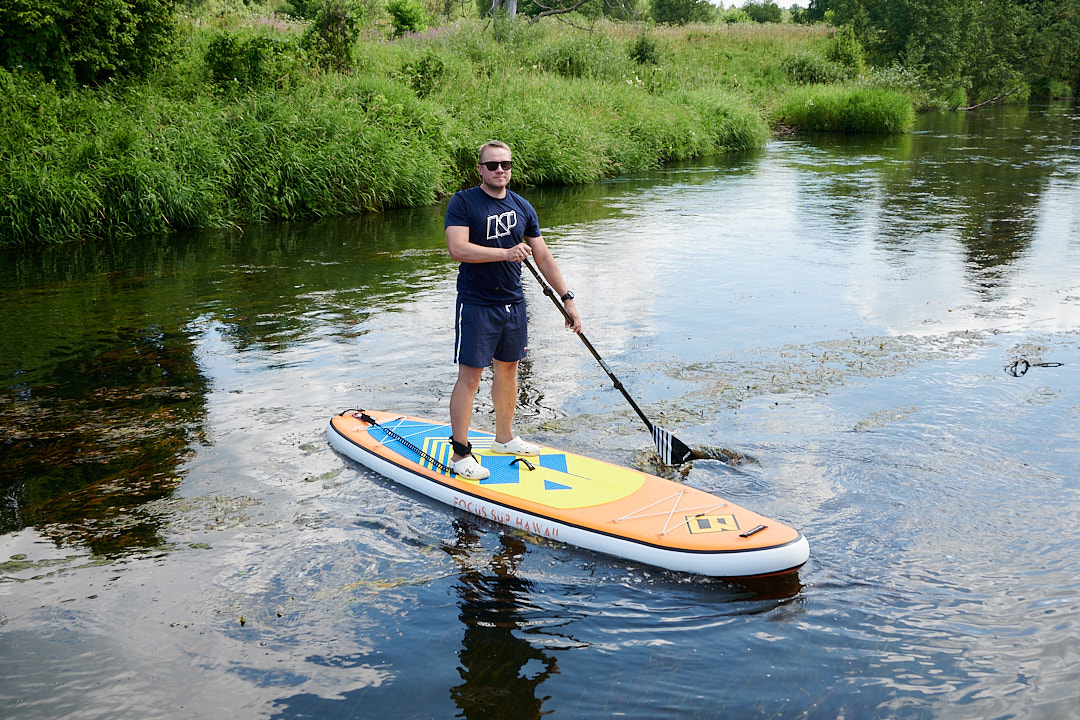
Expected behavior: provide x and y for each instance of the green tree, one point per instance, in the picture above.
(408, 16)
(763, 11)
(1054, 46)
(85, 42)
(970, 49)
(681, 12)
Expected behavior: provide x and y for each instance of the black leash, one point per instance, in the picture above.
(364, 417)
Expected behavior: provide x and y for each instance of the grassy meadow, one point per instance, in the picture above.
(243, 126)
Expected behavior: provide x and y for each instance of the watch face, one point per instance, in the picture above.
(568, 296)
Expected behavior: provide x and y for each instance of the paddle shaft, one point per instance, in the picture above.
(550, 292)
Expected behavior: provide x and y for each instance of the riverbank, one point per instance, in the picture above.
(243, 128)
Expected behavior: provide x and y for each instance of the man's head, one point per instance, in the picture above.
(492, 145)
(494, 166)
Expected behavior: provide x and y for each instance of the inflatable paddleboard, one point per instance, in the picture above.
(575, 499)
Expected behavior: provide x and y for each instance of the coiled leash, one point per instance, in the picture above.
(1018, 368)
(364, 417)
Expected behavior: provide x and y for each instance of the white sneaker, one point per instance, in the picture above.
(469, 469)
(517, 446)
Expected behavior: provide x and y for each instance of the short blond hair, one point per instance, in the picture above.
(490, 144)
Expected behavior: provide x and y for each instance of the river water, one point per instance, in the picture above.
(884, 331)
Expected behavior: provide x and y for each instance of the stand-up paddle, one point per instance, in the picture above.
(672, 450)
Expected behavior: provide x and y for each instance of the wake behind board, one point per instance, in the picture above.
(575, 499)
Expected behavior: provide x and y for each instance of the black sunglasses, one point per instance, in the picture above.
(494, 165)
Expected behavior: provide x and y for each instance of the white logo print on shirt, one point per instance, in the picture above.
(500, 225)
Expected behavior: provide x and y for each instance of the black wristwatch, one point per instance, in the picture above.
(568, 296)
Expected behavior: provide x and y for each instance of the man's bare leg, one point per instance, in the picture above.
(461, 404)
(504, 392)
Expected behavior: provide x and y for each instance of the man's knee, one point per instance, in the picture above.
(469, 377)
(504, 369)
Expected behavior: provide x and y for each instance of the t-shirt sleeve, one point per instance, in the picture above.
(532, 222)
(457, 211)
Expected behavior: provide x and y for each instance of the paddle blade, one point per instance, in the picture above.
(672, 450)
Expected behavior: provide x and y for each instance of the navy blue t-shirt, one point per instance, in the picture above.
(494, 223)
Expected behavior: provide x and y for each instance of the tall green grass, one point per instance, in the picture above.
(828, 108)
(220, 138)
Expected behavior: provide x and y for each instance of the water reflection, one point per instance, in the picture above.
(501, 671)
(977, 179)
(106, 431)
(102, 384)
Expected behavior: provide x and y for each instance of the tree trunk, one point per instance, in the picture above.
(510, 5)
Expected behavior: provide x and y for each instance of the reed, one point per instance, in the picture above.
(828, 108)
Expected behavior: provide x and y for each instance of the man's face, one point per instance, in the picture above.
(497, 178)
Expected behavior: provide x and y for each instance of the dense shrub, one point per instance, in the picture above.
(735, 15)
(425, 73)
(407, 16)
(248, 62)
(85, 42)
(307, 9)
(763, 11)
(844, 49)
(330, 38)
(1045, 88)
(805, 68)
(681, 12)
(644, 50)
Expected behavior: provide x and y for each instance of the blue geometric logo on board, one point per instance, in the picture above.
(549, 485)
(554, 462)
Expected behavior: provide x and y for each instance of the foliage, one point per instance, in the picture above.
(306, 9)
(249, 62)
(330, 38)
(87, 165)
(681, 12)
(831, 108)
(814, 12)
(844, 49)
(425, 74)
(802, 15)
(804, 68)
(644, 50)
(399, 128)
(578, 55)
(899, 79)
(407, 16)
(973, 50)
(735, 15)
(85, 42)
(1045, 88)
(763, 11)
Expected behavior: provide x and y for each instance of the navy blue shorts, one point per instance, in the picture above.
(483, 332)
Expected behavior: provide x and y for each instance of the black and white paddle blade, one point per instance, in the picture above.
(672, 450)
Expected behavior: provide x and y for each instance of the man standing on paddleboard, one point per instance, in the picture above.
(490, 230)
